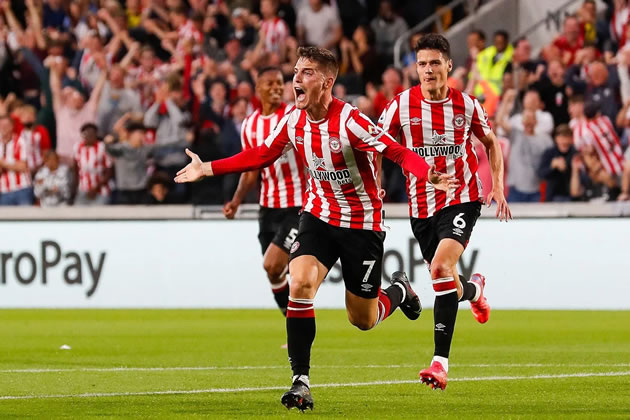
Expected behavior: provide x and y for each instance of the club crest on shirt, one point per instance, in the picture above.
(335, 144)
(372, 129)
(459, 121)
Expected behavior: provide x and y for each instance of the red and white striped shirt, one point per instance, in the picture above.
(284, 182)
(339, 152)
(92, 162)
(13, 151)
(275, 32)
(189, 31)
(38, 141)
(440, 132)
(601, 135)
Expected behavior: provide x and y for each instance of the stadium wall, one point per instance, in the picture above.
(530, 263)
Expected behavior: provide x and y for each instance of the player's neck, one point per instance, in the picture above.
(436, 94)
(268, 109)
(319, 109)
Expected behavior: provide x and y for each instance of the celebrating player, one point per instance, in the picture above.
(342, 217)
(436, 122)
(281, 190)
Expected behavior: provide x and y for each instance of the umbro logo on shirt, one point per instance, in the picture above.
(416, 121)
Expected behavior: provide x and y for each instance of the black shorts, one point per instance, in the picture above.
(454, 222)
(360, 252)
(278, 226)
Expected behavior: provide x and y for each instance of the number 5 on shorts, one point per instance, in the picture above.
(370, 265)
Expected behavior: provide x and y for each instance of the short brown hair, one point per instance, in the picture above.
(322, 57)
(564, 130)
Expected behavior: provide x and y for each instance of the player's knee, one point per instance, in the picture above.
(360, 322)
(440, 270)
(302, 286)
(274, 269)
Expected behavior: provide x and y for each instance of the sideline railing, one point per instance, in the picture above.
(250, 211)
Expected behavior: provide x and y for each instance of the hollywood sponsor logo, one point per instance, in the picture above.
(341, 176)
(459, 121)
(454, 150)
(295, 246)
(44, 267)
(335, 144)
(318, 162)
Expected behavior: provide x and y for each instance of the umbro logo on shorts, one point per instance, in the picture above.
(366, 287)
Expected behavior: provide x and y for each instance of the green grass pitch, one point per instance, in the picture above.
(196, 364)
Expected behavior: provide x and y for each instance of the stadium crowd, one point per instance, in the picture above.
(100, 98)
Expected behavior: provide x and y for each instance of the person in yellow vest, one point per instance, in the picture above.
(491, 64)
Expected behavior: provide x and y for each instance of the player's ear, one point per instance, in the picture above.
(450, 65)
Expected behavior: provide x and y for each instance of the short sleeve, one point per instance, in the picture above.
(389, 120)
(366, 136)
(479, 123)
(245, 141)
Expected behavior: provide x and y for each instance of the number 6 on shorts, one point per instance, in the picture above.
(459, 222)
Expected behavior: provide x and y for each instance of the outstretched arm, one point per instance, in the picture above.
(246, 160)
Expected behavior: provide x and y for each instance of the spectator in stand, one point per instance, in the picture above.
(570, 40)
(555, 166)
(54, 15)
(93, 169)
(360, 62)
(596, 132)
(242, 31)
(273, 30)
(531, 102)
(554, 92)
(131, 156)
(625, 178)
(526, 150)
(147, 76)
(318, 24)
(53, 182)
(476, 42)
(15, 180)
(170, 118)
(116, 99)
(603, 89)
(491, 64)
(392, 86)
(72, 111)
(524, 69)
(388, 27)
(158, 189)
(589, 179)
(35, 136)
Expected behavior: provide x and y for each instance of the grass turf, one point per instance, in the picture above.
(236, 349)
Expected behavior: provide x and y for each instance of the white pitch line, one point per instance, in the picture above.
(204, 368)
(329, 385)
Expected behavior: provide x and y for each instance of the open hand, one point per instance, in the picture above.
(503, 210)
(443, 182)
(191, 172)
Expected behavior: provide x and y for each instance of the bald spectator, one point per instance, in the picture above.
(553, 92)
(388, 27)
(392, 86)
(318, 24)
(603, 89)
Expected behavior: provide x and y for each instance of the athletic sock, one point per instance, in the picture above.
(443, 361)
(281, 294)
(302, 378)
(300, 334)
(469, 289)
(444, 314)
(388, 300)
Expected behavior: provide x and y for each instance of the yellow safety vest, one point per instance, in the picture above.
(492, 72)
